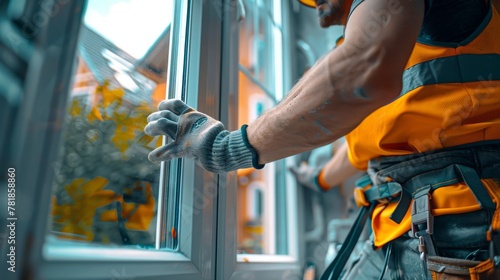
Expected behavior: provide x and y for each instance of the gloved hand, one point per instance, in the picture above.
(307, 176)
(200, 137)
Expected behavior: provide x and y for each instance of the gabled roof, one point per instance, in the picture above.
(154, 64)
(93, 47)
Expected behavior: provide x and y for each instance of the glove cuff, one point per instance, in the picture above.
(319, 181)
(231, 151)
(255, 155)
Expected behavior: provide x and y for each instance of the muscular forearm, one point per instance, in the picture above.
(324, 106)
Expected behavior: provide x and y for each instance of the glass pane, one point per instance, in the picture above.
(105, 190)
(261, 216)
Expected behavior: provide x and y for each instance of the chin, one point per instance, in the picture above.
(327, 22)
(333, 13)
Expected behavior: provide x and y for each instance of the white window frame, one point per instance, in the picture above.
(231, 265)
(203, 72)
(196, 230)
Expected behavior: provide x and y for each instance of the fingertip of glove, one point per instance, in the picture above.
(146, 130)
(149, 129)
(164, 104)
(153, 158)
(177, 106)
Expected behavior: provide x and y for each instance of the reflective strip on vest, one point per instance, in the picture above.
(453, 69)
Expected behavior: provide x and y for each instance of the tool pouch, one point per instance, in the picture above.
(442, 268)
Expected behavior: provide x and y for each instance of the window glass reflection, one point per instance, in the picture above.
(258, 206)
(105, 189)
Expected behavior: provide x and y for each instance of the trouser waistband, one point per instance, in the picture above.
(483, 156)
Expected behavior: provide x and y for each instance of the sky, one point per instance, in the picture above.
(132, 25)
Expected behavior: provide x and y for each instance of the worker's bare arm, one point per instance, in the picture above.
(339, 168)
(352, 81)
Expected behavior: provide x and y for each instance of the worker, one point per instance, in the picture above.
(331, 178)
(328, 175)
(415, 86)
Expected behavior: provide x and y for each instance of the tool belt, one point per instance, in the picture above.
(414, 177)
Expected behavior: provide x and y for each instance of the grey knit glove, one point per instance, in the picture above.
(200, 137)
(307, 176)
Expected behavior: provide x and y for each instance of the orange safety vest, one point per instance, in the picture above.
(450, 97)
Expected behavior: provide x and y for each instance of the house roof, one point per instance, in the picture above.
(110, 63)
(154, 64)
(93, 47)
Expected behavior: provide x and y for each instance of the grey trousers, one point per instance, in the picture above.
(460, 236)
(404, 263)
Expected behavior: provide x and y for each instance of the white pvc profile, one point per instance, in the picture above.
(175, 88)
(278, 49)
(86, 253)
(270, 198)
(257, 258)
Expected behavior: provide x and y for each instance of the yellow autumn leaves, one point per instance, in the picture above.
(88, 200)
(87, 196)
(108, 104)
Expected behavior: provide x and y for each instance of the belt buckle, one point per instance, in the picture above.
(421, 212)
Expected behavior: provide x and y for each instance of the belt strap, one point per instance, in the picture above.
(385, 190)
(434, 179)
(335, 268)
(419, 187)
(471, 178)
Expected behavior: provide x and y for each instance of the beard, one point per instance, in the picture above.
(333, 12)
